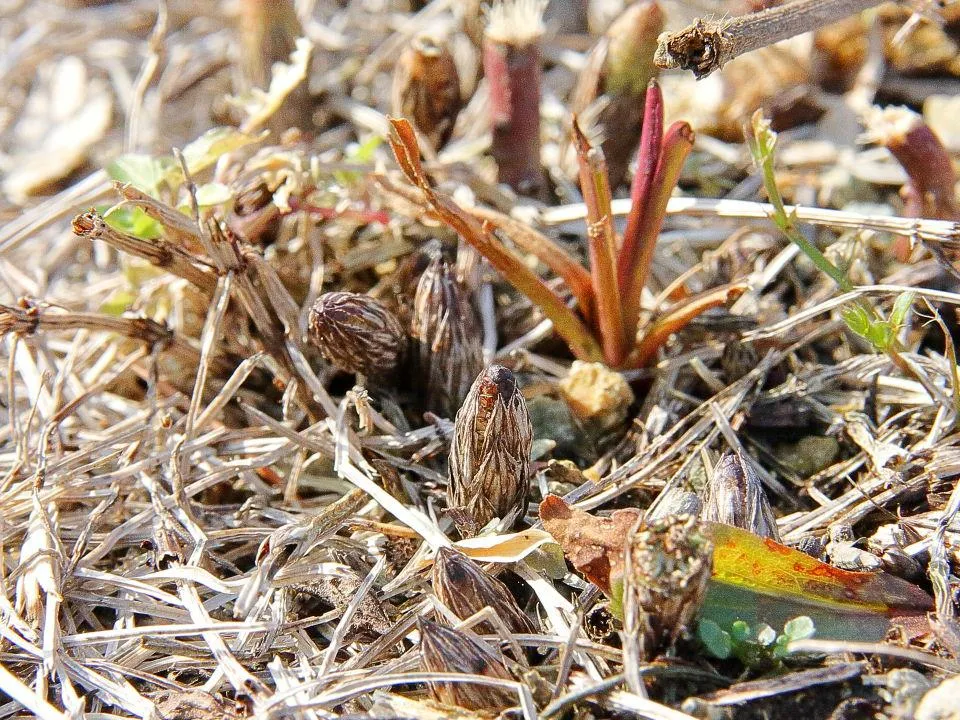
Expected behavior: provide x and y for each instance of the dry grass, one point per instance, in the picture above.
(200, 519)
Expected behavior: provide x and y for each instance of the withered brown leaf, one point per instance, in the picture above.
(593, 544)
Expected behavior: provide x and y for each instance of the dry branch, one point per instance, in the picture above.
(707, 45)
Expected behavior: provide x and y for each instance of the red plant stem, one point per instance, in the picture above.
(928, 165)
(648, 156)
(677, 318)
(595, 186)
(546, 251)
(513, 72)
(677, 144)
(403, 140)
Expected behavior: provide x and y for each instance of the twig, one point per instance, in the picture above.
(923, 228)
(706, 46)
(158, 252)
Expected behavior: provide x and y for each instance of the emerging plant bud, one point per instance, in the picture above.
(357, 334)
(426, 89)
(511, 65)
(931, 179)
(490, 452)
(735, 497)
(466, 589)
(667, 564)
(447, 352)
(451, 651)
(618, 69)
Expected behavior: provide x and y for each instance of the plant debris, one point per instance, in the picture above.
(432, 359)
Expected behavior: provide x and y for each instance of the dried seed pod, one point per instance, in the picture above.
(667, 564)
(452, 651)
(426, 89)
(357, 333)
(463, 586)
(490, 452)
(735, 497)
(447, 351)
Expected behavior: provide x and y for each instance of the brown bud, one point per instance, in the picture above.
(451, 651)
(735, 497)
(490, 452)
(667, 565)
(357, 334)
(447, 352)
(463, 586)
(426, 89)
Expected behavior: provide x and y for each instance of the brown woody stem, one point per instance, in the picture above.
(707, 45)
(159, 252)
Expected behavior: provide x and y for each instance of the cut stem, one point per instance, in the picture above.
(511, 65)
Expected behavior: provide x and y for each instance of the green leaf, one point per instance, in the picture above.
(214, 143)
(258, 105)
(132, 221)
(901, 308)
(118, 302)
(616, 598)
(364, 152)
(765, 634)
(145, 172)
(715, 639)
(800, 628)
(213, 193)
(740, 632)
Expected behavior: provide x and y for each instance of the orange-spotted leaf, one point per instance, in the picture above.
(768, 568)
(754, 579)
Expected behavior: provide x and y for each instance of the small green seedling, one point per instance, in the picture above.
(756, 647)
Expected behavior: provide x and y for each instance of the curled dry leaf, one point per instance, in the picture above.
(593, 544)
(746, 569)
